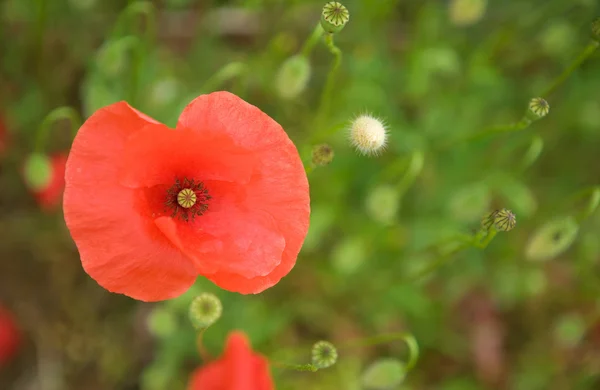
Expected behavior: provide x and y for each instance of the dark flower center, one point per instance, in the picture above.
(187, 199)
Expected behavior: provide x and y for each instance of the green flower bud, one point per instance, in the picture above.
(383, 203)
(293, 76)
(334, 17)
(322, 154)
(503, 220)
(384, 374)
(324, 354)
(37, 171)
(552, 239)
(596, 30)
(161, 322)
(205, 310)
(538, 108)
(466, 12)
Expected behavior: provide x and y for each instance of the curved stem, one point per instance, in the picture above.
(592, 205)
(312, 40)
(204, 354)
(55, 115)
(144, 8)
(412, 172)
(228, 72)
(587, 52)
(330, 81)
(409, 339)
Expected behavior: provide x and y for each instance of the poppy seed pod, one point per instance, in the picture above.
(205, 310)
(368, 135)
(293, 77)
(324, 354)
(322, 154)
(503, 220)
(538, 108)
(334, 17)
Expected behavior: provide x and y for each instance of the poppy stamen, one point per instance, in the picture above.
(187, 198)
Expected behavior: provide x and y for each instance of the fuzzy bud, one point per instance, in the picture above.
(205, 310)
(334, 17)
(596, 30)
(37, 171)
(503, 220)
(293, 77)
(538, 108)
(322, 154)
(368, 135)
(324, 354)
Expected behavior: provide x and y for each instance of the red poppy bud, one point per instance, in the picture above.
(47, 192)
(238, 369)
(10, 337)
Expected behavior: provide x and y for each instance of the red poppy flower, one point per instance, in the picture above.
(50, 196)
(224, 195)
(9, 336)
(238, 369)
(3, 137)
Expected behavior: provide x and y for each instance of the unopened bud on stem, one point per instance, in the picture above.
(324, 354)
(205, 310)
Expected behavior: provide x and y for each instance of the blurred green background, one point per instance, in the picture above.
(522, 314)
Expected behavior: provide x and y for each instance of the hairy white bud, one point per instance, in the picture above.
(368, 134)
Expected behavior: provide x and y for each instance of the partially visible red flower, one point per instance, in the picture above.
(10, 337)
(224, 195)
(3, 136)
(50, 196)
(238, 369)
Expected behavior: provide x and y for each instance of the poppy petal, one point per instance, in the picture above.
(278, 186)
(120, 248)
(157, 155)
(238, 369)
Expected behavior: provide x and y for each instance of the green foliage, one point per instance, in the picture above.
(453, 81)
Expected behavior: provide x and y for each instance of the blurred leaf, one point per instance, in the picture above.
(384, 374)
(552, 239)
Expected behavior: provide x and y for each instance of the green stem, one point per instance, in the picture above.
(39, 35)
(297, 367)
(585, 54)
(124, 20)
(592, 205)
(228, 72)
(409, 339)
(526, 121)
(55, 115)
(412, 172)
(326, 96)
(123, 23)
(312, 40)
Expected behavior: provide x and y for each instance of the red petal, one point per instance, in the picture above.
(50, 197)
(158, 155)
(10, 337)
(238, 369)
(278, 187)
(120, 248)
